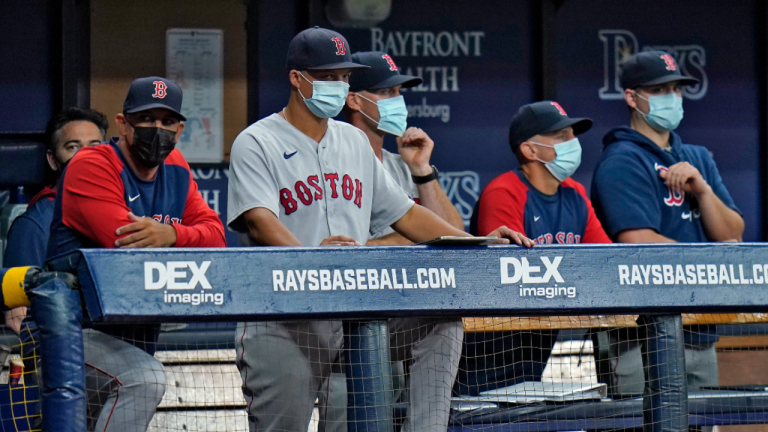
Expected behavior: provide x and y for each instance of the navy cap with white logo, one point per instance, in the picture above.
(153, 92)
(649, 68)
(540, 118)
(383, 73)
(320, 49)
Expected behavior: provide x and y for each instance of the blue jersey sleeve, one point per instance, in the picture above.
(27, 242)
(712, 176)
(626, 195)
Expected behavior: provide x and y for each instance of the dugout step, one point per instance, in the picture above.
(705, 408)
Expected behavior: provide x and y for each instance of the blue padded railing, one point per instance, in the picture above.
(373, 283)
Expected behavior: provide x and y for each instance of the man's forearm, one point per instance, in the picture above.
(389, 239)
(204, 234)
(421, 224)
(643, 235)
(433, 197)
(720, 222)
(265, 229)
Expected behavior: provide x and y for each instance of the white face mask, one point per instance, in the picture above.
(567, 158)
(393, 115)
(328, 97)
(665, 111)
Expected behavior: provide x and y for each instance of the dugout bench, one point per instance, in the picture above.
(251, 284)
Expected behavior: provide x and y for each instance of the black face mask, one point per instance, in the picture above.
(151, 145)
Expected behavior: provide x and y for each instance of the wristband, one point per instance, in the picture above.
(427, 178)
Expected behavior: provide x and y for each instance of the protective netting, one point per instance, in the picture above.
(536, 373)
(20, 399)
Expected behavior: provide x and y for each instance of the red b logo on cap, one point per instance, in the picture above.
(392, 65)
(160, 90)
(669, 61)
(559, 108)
(340, 49)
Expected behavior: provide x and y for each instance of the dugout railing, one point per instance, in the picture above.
(175, 285)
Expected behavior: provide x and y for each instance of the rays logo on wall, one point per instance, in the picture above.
(463, 189)
(618, 45)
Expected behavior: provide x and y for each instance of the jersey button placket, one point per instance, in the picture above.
(330, 206)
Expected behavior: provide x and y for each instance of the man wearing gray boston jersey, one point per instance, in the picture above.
(301, 178)
(375, 106)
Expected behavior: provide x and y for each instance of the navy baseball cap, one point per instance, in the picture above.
(652, 68)
(153, 92)
(542, 117)
(320, 49)
(383, 73)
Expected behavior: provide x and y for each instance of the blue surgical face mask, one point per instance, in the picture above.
(665, 111)
(567, 158)
(393, 115)
(328, 97)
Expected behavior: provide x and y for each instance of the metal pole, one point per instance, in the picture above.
(369, 376)
(665, 400)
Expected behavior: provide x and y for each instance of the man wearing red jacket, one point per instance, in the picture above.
(545, 204)
(541, 200)
(135, 191)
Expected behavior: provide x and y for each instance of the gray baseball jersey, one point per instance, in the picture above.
(399, 171)
(334, 187)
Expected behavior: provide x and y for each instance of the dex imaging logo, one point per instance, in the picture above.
(521, 271)
(619, 45)
(181, 276)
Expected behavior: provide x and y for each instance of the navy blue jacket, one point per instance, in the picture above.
(628, 193)
(27, 240)
(28, 236)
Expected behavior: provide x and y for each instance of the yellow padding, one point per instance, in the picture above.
(13, 287)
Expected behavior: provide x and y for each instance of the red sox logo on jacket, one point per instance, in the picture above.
(675, 198)
(561, 238)
(340, 48)
(167, 220)
(351, 190)
(160, 90)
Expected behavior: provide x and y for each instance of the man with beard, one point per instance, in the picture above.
(135, 191)
(66, 133)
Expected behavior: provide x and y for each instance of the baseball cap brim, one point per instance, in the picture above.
(684, 80)
(407, 81)
(342, 65)
(579, 125)
(156, 105)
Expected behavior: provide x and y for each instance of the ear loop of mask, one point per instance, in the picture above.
(643, 98)
(128, 122)
(310, 82)
(363, 113)
(544, 145)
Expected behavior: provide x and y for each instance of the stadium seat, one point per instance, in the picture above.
(8, 214)
(20, 165)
